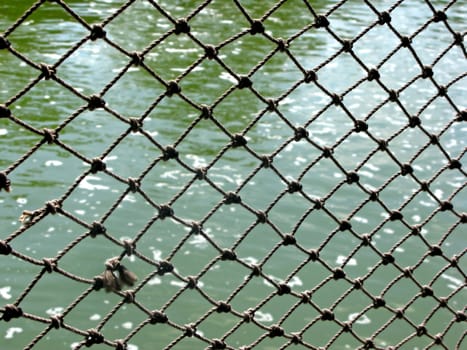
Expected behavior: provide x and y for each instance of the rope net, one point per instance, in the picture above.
(210, 199)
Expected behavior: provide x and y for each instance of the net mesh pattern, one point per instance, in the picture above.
(127, 274)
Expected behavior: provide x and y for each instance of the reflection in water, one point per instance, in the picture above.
(50, 32)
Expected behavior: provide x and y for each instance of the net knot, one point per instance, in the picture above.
(244, 82)
(460, 316)
(338, 273)
(313, 254)
(137, 58)
(366, 240)
(405, 41)
(56, 321)
(257, 27)
(50, 135)
(321, 22)
(272, 105)
(11, 311)
(97, 32)
(238, 140)
(294, 186)
(406, 169)
(4, 112)
(191, 282)
(120, 345)
(201, 173)
(97, 165)
(4, 182)
(427, 291)
(458, 38)
(276, 331)
(228, 254)
(373, 74)
(47, 71)
(300, 133)
(165, 211)
(387, 259)
(5, 248)
(446, 206)
(310, 76)
(169, 153)
(347, 45)
(288, 240)
(352, 177)
(96, 229)
(133, 184)
(427, 72)
(327, 315)
(414, 121)
(94, 102)
(158, 317)
(345, 225)
(384, 17)
(455, 164)
(182, 26)
(210, 52)
(165, 267)
(129, 246)
(369, 344)
(206, 112)
(408, 271)
(98, 282)
(327, 152)
(135, 124)
(217, 344)
(283, 289)
(93, 337)
(195, 228)
(442, 90)
(129, 297)
(282, 44)
(318, 204)
(361, 125)
(358, 283)
(173, 88)
(336, 99)
(232, 198)
(190, 330)
(248, 315)
(223, 307)
(266, 161)
(393, 95)
(261, 217)
(436, 250)
(49, 264)
(421, 331)
(395, 215)
(4, 43)
(305, 297)
(440, 16)
(378, 302)
(256, 270)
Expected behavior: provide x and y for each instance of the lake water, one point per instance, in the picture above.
(49, 172)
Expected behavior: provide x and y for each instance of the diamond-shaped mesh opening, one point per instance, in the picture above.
(232, 175)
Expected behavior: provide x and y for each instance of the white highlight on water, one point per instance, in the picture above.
(341, 258)
(263, 316)
(85, 184)
(10, 332)
(53, 162)
(5, 292)
(364, 319)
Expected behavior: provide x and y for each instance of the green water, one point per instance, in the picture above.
(47, 174)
